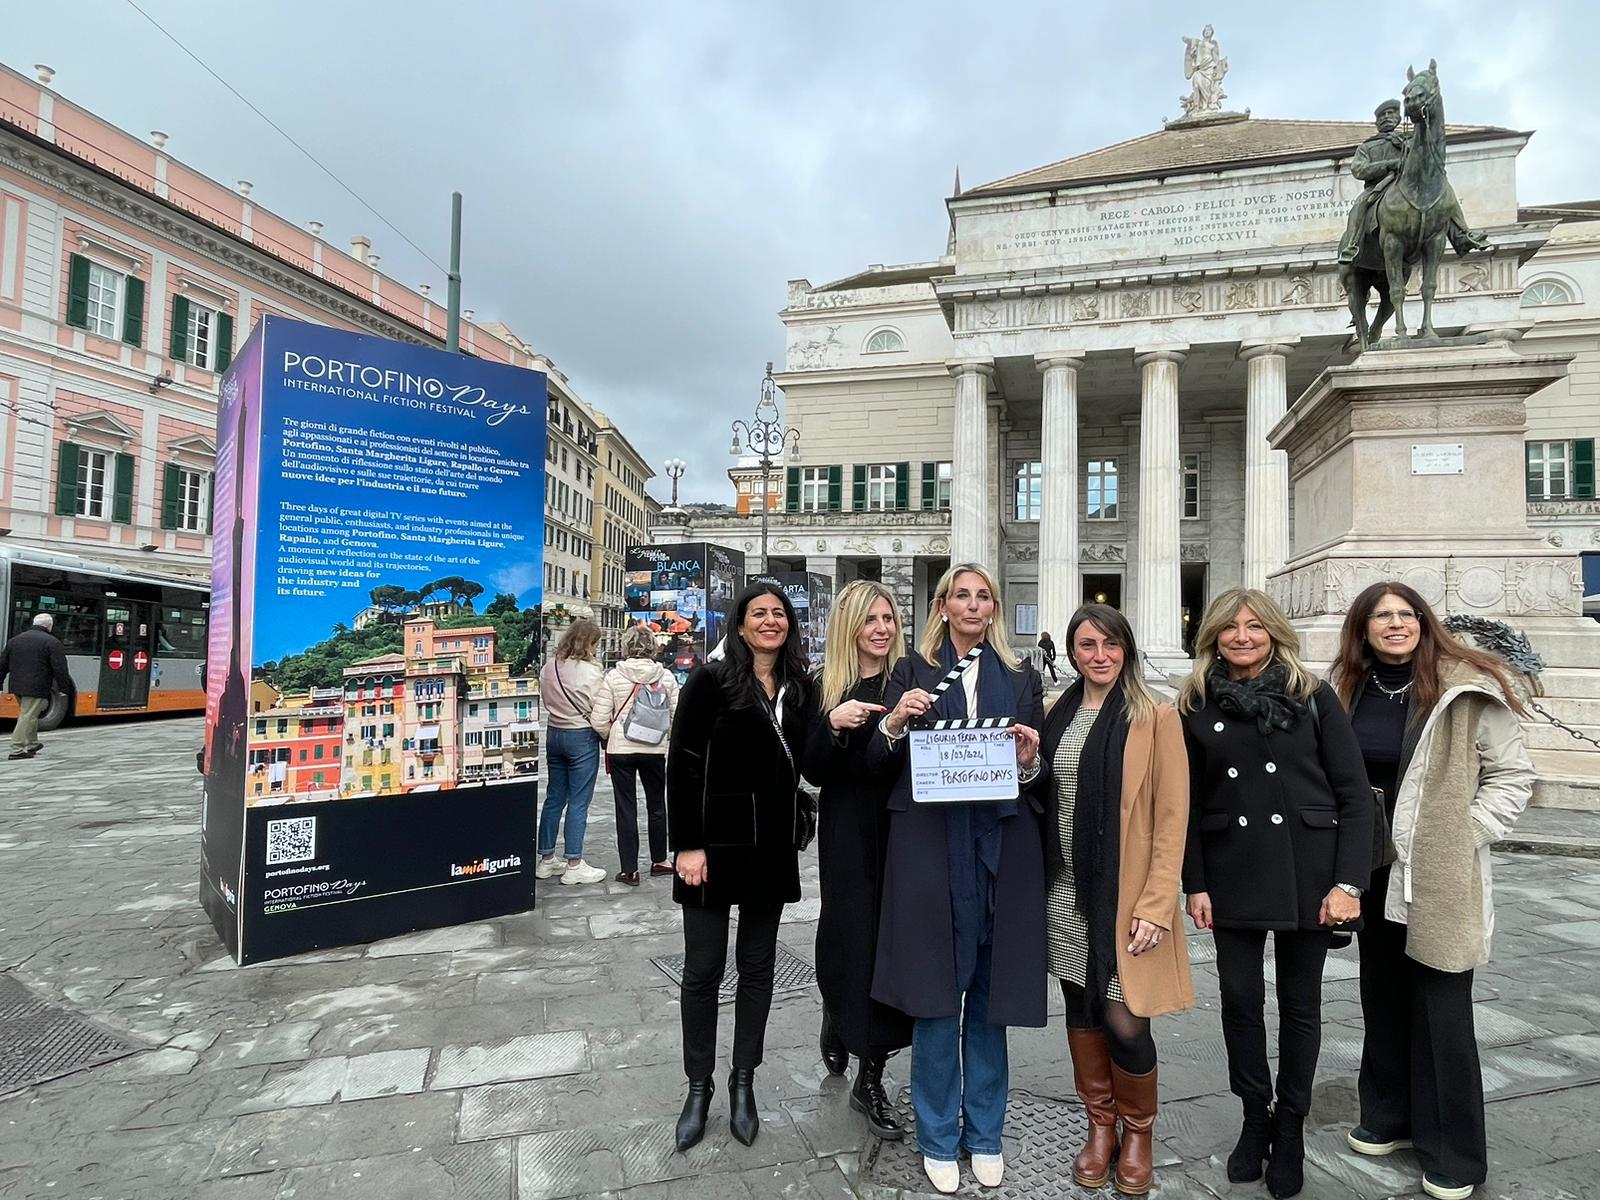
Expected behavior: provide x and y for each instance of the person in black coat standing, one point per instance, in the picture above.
(864, 641)
(735, 823)
(1047, 652)
(961, 945)
(35, 662)
(1280, 840)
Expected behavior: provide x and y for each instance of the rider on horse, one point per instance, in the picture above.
(1377, 163)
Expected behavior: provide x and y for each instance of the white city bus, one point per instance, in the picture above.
(135, 640)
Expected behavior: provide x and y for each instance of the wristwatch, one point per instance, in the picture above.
(1349, 889)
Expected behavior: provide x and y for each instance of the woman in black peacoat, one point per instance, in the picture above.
(734, 823)
(864, 640)
(961, 944)
(1280, 839)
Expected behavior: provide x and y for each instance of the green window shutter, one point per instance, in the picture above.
(223, 342)
(67, 480)
(211, 500)
(858, 488)
(835, 489)
(178, 343)
(78, 292)
(171, 482)
(122, 498)
(791, 501)
(902, 486)
(133, 311)
(930, 485)
(1583, 468)
(1533, 491)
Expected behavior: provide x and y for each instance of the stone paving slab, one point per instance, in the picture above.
(538, 1054)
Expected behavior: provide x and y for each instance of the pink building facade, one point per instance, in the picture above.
(127, 280)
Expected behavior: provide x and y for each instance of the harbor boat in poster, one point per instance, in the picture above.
(372, 715)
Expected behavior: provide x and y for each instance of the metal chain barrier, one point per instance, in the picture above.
(1560, 724)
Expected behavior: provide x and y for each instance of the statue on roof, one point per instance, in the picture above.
(1203, 67)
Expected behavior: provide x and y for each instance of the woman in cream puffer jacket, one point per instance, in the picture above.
(633, 761)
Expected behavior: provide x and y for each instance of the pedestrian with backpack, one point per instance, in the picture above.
(633, 709)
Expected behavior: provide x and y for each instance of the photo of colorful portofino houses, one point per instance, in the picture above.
(439, 713)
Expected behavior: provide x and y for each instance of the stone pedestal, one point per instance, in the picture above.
(1408, 465)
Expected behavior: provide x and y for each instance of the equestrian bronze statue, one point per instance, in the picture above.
(1405, 215)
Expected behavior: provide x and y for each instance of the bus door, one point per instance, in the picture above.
(125, 661)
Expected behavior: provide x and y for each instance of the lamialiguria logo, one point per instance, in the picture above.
(485, 866)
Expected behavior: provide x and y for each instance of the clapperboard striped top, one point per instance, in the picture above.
(945, 684)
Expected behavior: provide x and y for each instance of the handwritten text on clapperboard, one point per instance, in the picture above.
(963, 766)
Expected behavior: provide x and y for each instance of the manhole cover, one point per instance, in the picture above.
(790, 973)
(40, 1041)
(1041, 1135)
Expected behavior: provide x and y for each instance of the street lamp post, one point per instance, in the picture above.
(675, 469)
(765, 436)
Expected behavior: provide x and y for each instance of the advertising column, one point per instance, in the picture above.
(684, 592)
(378, 567)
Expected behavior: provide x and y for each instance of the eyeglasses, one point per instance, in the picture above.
(1405, 615)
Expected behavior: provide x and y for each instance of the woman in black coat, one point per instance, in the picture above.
(863, 646)
(1280, 839)
(734, 822)
(961, 936)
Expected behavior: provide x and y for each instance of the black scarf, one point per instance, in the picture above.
(1097, 832)
(1264, 699)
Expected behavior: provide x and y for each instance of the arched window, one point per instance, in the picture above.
(884, 341)
(1546, 291)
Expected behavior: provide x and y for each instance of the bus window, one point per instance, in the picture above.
(77, 619)
(181, 632)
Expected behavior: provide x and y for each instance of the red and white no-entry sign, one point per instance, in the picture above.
(114, 660)
(140, 661)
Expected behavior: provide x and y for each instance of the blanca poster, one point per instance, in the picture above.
(684, 592)
(373, 714)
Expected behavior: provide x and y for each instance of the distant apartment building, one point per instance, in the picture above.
(621, 519)
(127, 280)
(374, 710)
(569, 503)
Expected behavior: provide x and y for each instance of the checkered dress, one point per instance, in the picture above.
(1066, 929)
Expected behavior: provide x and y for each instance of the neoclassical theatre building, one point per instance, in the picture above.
(1079, 390)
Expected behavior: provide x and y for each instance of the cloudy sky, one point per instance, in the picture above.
(641, 179)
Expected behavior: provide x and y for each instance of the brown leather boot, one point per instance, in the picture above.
(1136, 1105)
(1091, 1072)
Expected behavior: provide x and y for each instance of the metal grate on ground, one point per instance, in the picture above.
(40, 1041)
(1041, 1135)
(790, 973)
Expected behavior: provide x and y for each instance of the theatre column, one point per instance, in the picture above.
(1157, 613)
(1266, 471)
(1059, 590)
(970, 516)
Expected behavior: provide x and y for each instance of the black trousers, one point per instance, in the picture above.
(651, 770)
(1300, 954)
(1419, 1061)
(705, 954)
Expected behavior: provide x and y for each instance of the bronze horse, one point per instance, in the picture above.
(1413, 221)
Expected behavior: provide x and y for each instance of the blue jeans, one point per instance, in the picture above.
(960, 1074)
(573, 759)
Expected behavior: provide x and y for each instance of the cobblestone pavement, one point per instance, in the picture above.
(537, 1055)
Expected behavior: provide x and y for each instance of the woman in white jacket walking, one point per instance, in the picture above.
(633, 710)
(1437, 724)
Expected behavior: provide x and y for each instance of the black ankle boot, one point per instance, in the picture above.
(1286, 1173)
(834, 1054)
(867, 1096)
(742, 1116)
(1254, 1145)
(692, 1121)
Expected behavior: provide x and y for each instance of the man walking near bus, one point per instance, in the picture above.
(34, 660)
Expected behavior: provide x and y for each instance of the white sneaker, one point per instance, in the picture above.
(989, 1169)
(945, 1176)
(549, 867)
(582, 872)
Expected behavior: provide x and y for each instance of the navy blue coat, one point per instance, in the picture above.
(915, 970)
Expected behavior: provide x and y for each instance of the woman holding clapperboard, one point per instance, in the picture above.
(961, 937)
(852, 833)
(1116, 793)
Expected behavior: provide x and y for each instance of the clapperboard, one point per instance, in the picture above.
(964, 761)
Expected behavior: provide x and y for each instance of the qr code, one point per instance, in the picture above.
(293, 840)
